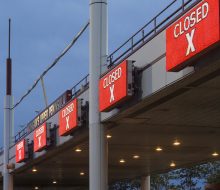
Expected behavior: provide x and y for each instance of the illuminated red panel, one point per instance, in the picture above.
(20, 151)
(68, 118)
(191, 34)
(40, 138)
(113, 87)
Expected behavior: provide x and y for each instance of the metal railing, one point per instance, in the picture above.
(80, 85)
(150, 30)
(141, 37)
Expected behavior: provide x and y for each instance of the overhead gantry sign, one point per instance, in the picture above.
(69, 120)
(41, 135)
(68, 117)
(192, 34)
(50, 111)
(116, 86)
(21, 151)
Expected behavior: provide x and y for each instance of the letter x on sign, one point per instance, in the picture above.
(67, 122)
(19, 153)
(191, 47)
(39, 141)
(112, 97)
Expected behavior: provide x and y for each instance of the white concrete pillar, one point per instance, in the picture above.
(8, 120)
(98, 163)
(145, 183)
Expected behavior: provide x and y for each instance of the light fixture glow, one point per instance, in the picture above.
(136, 156)
(36, 187)
(215, 154)
(108, 136)
(78, 150)
(172, 164)
(34, 170)
(54, 182)
(159, 149)
(122, 161)
(82, 173)
(176, 143)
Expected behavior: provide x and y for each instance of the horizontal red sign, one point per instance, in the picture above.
(20, 151)
(192, 33)
(113, 87)
(68, 118)
(40, 138)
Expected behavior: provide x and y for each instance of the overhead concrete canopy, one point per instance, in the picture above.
(181, 107)
(186, 111)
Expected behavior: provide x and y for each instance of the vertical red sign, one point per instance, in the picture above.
(68, 118)
(20, 151)
(192, 33)
(113, 87)
(40, 138)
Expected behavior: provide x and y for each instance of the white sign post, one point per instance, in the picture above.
(98, 165)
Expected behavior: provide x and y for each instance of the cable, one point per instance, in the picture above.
(52, 65)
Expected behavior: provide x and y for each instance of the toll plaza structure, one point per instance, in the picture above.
(158, 101)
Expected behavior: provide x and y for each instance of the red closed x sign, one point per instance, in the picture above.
(20, 151)
(68, 118)
(113, 87)
(194, 32)
(40, 138)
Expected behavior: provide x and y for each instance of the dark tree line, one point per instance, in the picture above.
(192, 178)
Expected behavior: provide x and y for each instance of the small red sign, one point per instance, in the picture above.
(113, 87)
(40, 138)
(192, 33)
(68, 118)
(20, 151)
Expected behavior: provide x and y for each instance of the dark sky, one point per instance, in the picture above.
(41, 29)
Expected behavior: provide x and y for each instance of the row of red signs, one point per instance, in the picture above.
(68, 121)
(193, 34)
(114, 88)
(187, 37)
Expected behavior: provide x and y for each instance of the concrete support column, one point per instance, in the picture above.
(8, 118)
(8, 132)
(145, 183)
(98, 159)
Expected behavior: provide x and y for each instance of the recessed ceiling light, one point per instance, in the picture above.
(82, 173)
(36, 187)
(54, 182)
(159, 149)
(136, 156)
(215, 154)
(176, 143)
(108, 136)
(34, 170)
(122, 161)
(78, 150)
(172, 164)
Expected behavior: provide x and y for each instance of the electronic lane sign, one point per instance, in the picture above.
(115, 86)
(68, 117)
(51, 110)
(40, 138)
(194, 32)
(21, 148)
